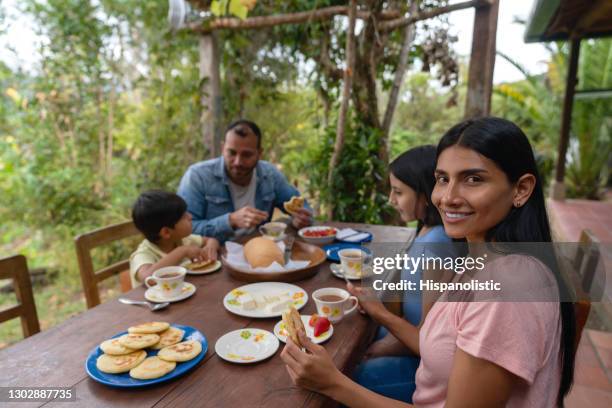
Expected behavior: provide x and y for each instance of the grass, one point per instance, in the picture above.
(63, 297)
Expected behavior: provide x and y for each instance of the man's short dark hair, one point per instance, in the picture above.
(155, 209)
(243, 128)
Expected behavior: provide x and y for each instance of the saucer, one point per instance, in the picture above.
(248, 345)
(338, 272)
(204, 271)
(153, 295)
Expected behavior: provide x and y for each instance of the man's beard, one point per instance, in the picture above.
(240, 172)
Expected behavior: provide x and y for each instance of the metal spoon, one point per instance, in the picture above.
(153, 307)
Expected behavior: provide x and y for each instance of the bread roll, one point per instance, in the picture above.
(261, 252)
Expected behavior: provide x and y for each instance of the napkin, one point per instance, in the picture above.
(351, 235)
(235, 258)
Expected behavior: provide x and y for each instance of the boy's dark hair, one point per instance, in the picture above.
(243, 128)
(155, 209)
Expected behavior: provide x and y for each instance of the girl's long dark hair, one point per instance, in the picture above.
(504, 143)
(415, 168)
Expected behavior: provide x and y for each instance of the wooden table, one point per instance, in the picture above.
(56, 357)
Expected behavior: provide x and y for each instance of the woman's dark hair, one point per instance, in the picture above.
(415, 168)
(504, 143)
(155, 209)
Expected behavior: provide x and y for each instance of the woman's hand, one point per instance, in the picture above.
(314, 370)
(368, 302)
(211, 249)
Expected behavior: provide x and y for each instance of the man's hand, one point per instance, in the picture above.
(301, 218)
(247, 217)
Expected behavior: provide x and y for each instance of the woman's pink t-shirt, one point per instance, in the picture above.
(521, 337)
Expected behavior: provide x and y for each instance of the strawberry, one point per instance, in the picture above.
(313, 320)
(321, 326)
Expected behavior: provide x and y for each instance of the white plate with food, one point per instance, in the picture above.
(310, 322)
(318, 234)
(245, 346)
(264, 299)
(203, 268)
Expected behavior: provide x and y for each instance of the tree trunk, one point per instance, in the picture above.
(409, 32)
(210, 91)
(346, 95)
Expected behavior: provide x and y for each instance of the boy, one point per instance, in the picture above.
(163, 219)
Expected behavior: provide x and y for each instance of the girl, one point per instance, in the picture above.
(476, 353)
(390, 368)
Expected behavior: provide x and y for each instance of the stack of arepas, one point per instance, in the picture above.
(126, 353)
(261, 252)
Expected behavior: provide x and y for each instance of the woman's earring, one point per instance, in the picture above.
(517, 204)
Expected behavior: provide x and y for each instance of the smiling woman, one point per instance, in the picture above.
(475, 353)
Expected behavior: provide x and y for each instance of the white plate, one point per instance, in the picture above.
(210, 269)
(232, 303)
(279, 331)
(338, 273)
(153, 295)
(246, 345)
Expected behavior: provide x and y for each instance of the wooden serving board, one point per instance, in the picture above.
(300, 251)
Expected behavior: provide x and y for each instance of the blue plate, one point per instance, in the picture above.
(366, 239)
(124, 380)
(331, 250)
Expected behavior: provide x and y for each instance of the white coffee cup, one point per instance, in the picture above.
(273, 230)
(333, 302)
(168, 280)
(353, 261)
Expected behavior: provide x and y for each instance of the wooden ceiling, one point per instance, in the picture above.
(552, 20)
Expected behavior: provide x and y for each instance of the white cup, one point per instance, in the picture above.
(273, 230)
(332, 303)
(168, 280)
(353, 261)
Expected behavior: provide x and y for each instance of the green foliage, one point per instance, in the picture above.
(591, 146)
(355, 183)
(535, 104)
(425, 115)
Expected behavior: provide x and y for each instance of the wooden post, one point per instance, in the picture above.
(557, 192)
(210, 91)
(482, 61)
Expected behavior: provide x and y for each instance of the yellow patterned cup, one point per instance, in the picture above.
(168, 280)
(333, 303)
(353, 261)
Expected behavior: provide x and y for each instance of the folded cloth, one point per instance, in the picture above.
(235, 258)
(357, 238)
(351, 235)
(345, 232)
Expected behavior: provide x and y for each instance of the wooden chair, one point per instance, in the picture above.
(578, 274)
(16, 268)
(85, 243)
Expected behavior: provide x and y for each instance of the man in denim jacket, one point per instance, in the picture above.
(232, 194)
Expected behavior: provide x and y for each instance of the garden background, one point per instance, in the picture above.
(113, 108)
